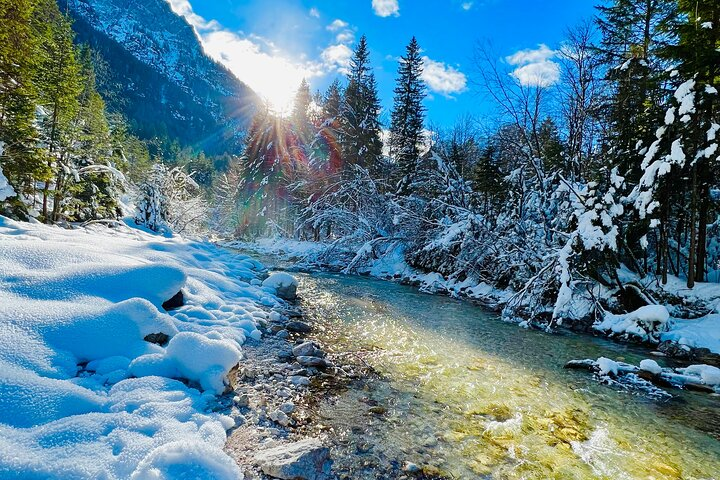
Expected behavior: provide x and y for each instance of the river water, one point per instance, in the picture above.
(465, 395)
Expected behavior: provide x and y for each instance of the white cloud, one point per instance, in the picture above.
(314, 12)
(336, 25)
(535, 67)
(386, 8)
(345, 37)
(443, 79)
(254, 60)
(337, 56)
(467, 6)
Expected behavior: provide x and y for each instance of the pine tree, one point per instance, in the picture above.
(21, 160)
(300, 114)
(408, 116)
(59, 81)
(361, 141)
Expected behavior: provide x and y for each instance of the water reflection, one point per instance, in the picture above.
(472, 396)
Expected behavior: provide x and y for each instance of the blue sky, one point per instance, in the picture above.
(273, 44)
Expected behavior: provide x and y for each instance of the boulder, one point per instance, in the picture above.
(305, 460)
(285, 285)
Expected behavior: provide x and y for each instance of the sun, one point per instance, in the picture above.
(274, 75)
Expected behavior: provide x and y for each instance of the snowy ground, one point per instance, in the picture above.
(82, 393)
(654, 323)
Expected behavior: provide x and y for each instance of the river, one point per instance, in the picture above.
(465, 395)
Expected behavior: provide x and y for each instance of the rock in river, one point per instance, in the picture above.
(298, 327)
(305, 460)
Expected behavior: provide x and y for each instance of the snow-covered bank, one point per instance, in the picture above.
(84, 391)
(664, 323)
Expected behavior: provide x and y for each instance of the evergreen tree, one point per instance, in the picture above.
(300, 114)
(59, 81)
(408, 116)
(21, 160)
(361, 141)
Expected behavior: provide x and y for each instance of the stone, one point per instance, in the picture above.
(279, 417)
(316, 362)
(298, 327)
(283, 334)
(285, 355)
(299, 380)
(157, 338)
(242, 400)
(410, 467)
(177, 301)
(307, 349)
(287, 407)
(304, 460)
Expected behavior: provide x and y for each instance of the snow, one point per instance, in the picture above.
(6, 191)
(280, 280)
(708, 374)
(703, 332)
(82, 394)
(607, 366)
(644, 322)
(650, 366)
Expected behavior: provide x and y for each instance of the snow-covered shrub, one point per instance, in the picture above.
(170, 200)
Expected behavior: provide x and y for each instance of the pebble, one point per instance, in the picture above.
(280, 417)
(283, 334)
(410, 467)
(283, 393)
(287, 407)
(299, 380)
(242, 400)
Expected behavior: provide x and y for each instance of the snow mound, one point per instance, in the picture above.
(280, 280)
(82, 393)
(699, 333)
(650, 366)
(646, 322)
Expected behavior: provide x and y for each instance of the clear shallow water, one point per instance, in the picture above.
(470, 396)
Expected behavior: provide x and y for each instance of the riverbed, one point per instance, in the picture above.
(459, 393)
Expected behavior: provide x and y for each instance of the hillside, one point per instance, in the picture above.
(153, 70)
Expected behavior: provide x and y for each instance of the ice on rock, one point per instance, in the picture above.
(204, 359)
(607, 366)
(650, 366)
(645, 322)
(187, 460)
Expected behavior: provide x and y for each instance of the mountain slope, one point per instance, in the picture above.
(153, 70)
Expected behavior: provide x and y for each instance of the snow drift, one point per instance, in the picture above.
(82, 393)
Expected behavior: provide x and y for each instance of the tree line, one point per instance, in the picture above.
(615, 164)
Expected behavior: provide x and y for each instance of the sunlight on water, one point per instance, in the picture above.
(488, 399)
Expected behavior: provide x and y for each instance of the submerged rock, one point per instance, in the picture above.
(306, 460)
(307, 349)
(316, 362)
(298, 327)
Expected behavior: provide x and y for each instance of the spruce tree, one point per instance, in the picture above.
(300, 117)
(408, 117)
(21, 160)
(360, 136)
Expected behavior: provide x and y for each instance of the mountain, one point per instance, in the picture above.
(153, 70)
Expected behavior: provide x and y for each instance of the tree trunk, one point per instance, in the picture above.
(693, 231)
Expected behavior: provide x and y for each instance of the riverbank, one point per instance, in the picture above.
(126, 354)
(684, 325)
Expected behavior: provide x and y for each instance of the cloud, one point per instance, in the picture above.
(337, 56)
(314, 12)
(467, 6)
(443, 79)
(386, 8)
(255, 60)
(336, 25)
(535, 67)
